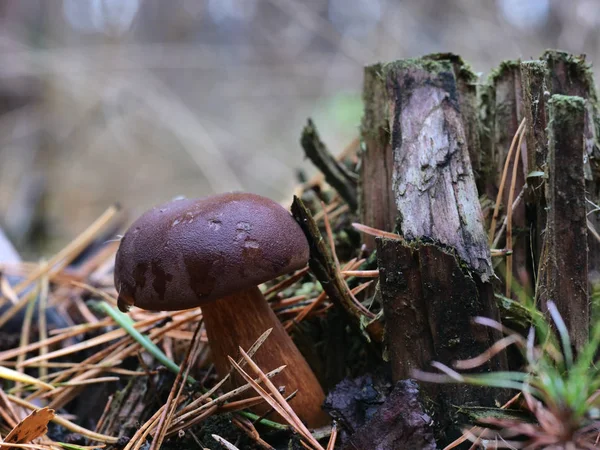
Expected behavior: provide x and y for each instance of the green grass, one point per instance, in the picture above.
(557, 386)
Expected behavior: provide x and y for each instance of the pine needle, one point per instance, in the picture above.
(511, 194)
(502, 182)
(277, 402)
(59, 261)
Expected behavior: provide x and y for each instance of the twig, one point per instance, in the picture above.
(319, 215)
(326, 271)
(247, 427)
(361, 273)
(340, 178)
(330, 238)
(26, 327)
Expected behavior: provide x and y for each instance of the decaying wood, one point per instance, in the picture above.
(433, 183)
(566, 269)
(428, 297)
(467, 83)
(376, 202)
(408, 334)
(562, 74)
(437, 278)
(507, 115)
(324, 268)
(336, 174)
(534, 87)
(570, 75)
(399, 423)
(380, 199)
(127, 409)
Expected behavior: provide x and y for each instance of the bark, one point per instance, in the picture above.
(425, 164)
(428, 297)
(486, 96)
(377, 206)
(432, 180)
(467, 83)
(379, 199)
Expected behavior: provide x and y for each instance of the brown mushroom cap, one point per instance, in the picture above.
(188, 252)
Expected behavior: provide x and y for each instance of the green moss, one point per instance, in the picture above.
(373, 72)
(566, 101)
(577, 62)
(513, 313)
(564, 106)
(462, 69)
(475, 413)
(502, 70)
(505, 69)
(577, 68)
(435, 63)
(427, 64)
(533, 75)
(535, 68)
(376, 114)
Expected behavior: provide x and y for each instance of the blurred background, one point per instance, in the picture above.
(139, 101)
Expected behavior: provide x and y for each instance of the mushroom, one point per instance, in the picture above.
(213, 253)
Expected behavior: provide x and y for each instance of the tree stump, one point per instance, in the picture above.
(435, 146)
(436, 278)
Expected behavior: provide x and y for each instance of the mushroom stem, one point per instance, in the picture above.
(237, 321)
